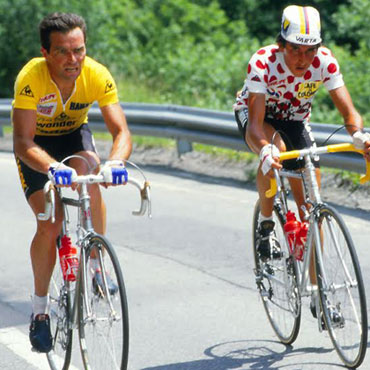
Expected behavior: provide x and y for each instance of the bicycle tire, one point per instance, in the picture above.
(280, 297)
(104, 335)
(59, 357)
(343, 303)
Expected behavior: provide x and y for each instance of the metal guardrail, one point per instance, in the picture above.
(189, 125)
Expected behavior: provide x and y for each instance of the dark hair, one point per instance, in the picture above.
(280, 40)
(59, 22)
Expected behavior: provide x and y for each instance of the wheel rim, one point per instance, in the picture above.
(104, 333)
(342, 293)
(276, 281)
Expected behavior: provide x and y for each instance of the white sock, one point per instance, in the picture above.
(40, 305)
(264, 218)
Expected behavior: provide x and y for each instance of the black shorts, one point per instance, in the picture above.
(295, 134)
(59, 147)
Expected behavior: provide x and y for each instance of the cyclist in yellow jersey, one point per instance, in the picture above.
(52, 97)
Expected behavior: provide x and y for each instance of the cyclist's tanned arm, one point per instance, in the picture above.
(116, 123)
(343, 103)
(24, 129)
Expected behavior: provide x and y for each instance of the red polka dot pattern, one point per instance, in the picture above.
(280, 69)
(272, 79)
(260, 65)
(307, 75)
(289, 97)
(332, 68)
(316, 62)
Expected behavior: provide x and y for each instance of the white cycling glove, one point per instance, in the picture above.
(114, 172)
(266, 157)
(359, 139)
(60, 174)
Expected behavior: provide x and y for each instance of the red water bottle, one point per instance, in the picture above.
(301, 241)
(68, 258)
(291, 228)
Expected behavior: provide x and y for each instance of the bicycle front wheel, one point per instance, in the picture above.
(103, 313)
(60, 355)
(341, 289)
(277, 282)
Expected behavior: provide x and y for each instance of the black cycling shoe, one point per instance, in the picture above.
(99, 287)
(268, 245)
(40, 335)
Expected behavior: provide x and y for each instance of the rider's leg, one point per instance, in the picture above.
(267, 245)
(43, 246)
(263, 182)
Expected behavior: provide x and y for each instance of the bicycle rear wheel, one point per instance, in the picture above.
(341, 289)
(60, 355)
(103, 313)
(277, 283)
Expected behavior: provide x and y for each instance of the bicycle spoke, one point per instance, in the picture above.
(277, 283)
(103, 320)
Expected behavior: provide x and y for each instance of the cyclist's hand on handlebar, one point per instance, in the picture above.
(269, 157)
(62, 175)
(361, 141)
(114, 173)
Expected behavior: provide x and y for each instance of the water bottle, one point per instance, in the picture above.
(301, 241)
(68, 258)
(291, 228)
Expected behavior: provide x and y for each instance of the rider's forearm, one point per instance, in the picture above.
(256, 139)
(122, 146)
(32, 155)
(353, 122)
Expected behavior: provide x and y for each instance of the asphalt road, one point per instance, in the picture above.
(188, 272)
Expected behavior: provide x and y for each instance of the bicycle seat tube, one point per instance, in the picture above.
(312, 185)
(85, 208)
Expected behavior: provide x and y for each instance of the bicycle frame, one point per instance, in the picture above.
(91, 245)
(313, 198)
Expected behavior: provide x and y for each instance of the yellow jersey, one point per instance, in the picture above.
(34, 89)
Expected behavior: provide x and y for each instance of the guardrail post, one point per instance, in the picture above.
(183, 146)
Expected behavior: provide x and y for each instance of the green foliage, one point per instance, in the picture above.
(352, 21)
(188, 52)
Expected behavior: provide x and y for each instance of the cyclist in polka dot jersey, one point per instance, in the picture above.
(289, 97)
(273, 108)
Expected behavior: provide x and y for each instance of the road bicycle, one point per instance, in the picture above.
(98, 311)
(338, 294)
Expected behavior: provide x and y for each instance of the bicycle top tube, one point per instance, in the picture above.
(335, 148)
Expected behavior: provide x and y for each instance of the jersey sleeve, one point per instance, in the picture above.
(332, 77)
(25, 92)
(257, 73)
(106, 87)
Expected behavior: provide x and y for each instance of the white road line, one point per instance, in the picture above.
(18, 342)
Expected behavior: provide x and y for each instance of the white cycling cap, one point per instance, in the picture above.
(301, 25)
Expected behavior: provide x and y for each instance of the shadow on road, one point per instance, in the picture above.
(251, 354)
(14, 313)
